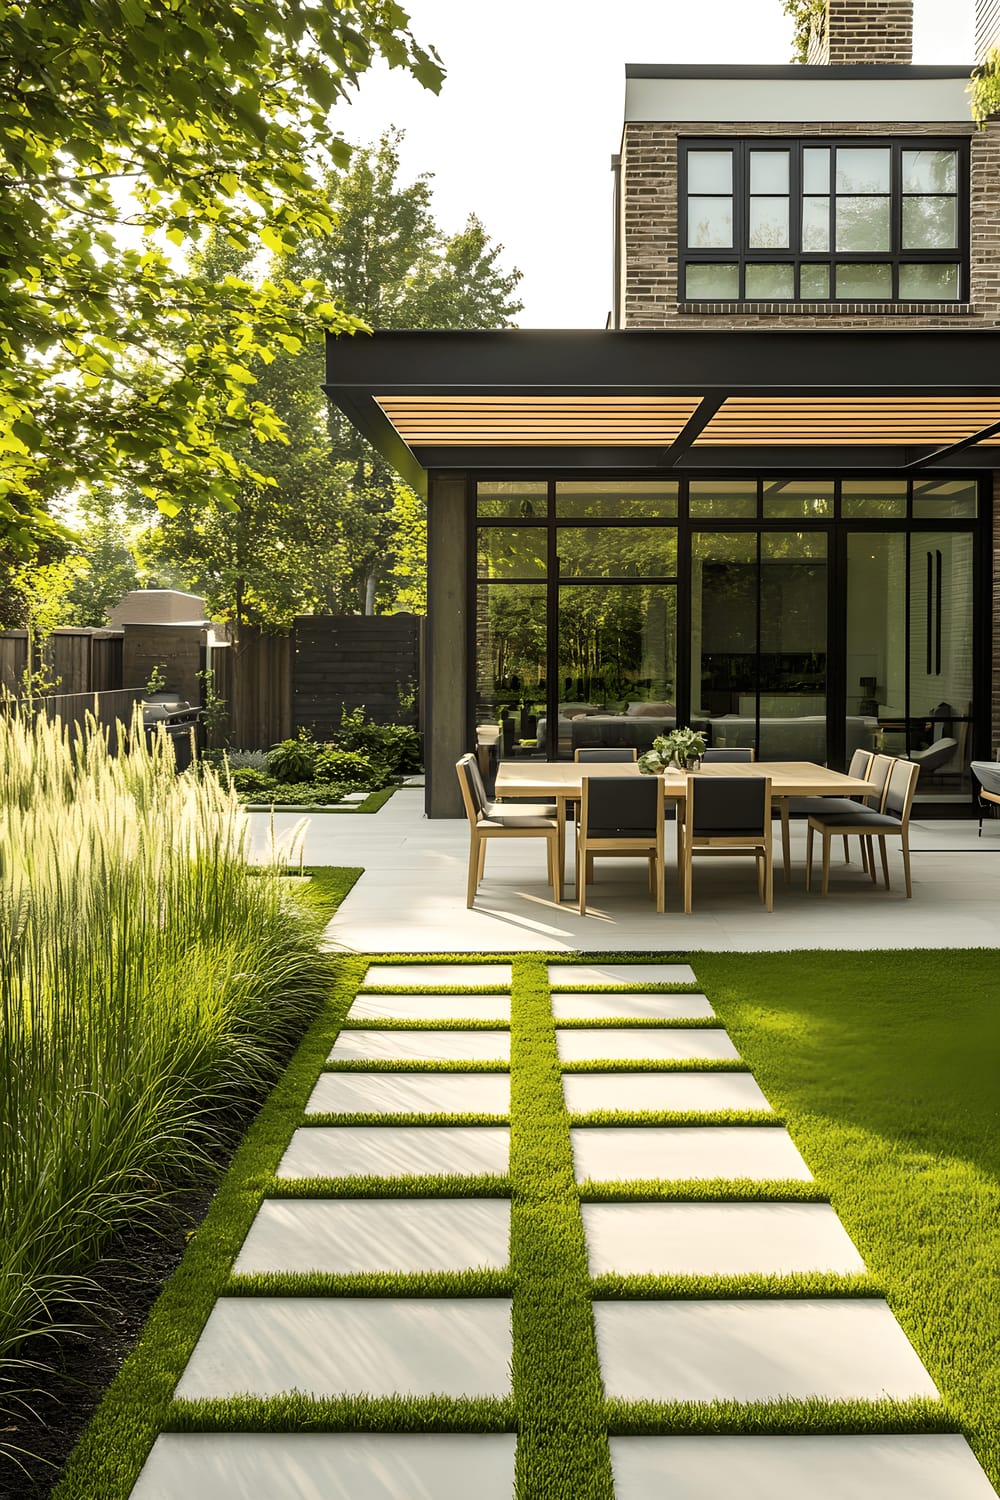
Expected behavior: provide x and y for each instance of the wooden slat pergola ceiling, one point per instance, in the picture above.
(625, 421)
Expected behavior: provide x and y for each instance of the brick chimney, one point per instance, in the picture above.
(863, 31)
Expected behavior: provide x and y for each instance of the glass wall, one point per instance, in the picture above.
(806, 617)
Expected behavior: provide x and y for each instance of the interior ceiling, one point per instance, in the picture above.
(601, 421)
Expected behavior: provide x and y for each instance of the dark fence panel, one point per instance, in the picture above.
(254, 681)
(13, 659)
(355, 661)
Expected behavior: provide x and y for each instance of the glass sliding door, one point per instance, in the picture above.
(724, 640)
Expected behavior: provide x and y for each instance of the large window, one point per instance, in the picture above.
(848, 221)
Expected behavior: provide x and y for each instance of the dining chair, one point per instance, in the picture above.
(717, 755)
(986, 774)
(862, 765)
(621, 815)
(867, 824)
(608, 754)
(512, 820)
(728, 815)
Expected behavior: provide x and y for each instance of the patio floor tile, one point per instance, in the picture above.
(586, 1092)
(716, 1239)
(365, 1234)
(410, 1094)
(663, 1043)
(396, 1151)
(573, 1007)
(567, 976)
(928, 1466)
(836, 1349)
(421, 1046)
(430, 1008)
(497, 976)
(336, 1465)
(666, 1153)
(338, 1346)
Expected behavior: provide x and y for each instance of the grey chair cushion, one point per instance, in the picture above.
(523, 815)
(622, 807)
(858, 820)
(808, 806)
(728, 805)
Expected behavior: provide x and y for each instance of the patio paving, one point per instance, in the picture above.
(586, 1093)
(411, 897)
(361, 1045)
(410, 1094)
(574, 1007)
(642, 1044)
(396, 1151)
(429, 1008)
(648, 1153)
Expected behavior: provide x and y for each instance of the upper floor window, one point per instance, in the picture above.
(822, 220)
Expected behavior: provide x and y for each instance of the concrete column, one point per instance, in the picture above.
(447, 665)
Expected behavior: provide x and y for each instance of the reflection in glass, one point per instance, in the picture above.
(945, 497)
(814, 281)
(769, 171)
(710, 223)
(930, 171)
(767, 280)
(815, 223)
(811, 498)
(723, 497)
(617, 664)
(863, 224)
(941, 654)
(512, 551)
(873, 497)
(616, 497)
(793, 586)
(937, 282)
(864, 283)
(724, 634)
(512, 497)
(704, 283)
(815, 170)
(768, 223)
(617, 551)
(930, 223)
(710, 171)
(510, 660)
(862, 169)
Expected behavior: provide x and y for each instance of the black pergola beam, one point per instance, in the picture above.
(953, 448)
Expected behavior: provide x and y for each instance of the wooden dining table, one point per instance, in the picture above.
(561, 782)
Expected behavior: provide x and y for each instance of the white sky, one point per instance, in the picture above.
(531, 111)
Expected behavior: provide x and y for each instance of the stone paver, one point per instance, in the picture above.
(716, 1239)
(624, 1153)
(571, 976)
(928, 1466)
(421, 1046)
(341, 1346)
(430, 1008)
(575, 1007)
(410, 1094)
(835, 1348)
(654, 1092)
(334, 1465)
(396, 1151)
(447, 976)
(394, 1235)
(645, 1044)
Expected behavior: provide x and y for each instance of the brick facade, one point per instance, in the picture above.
(863, 31)
(649, 223)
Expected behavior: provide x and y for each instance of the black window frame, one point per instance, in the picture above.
(741, 255)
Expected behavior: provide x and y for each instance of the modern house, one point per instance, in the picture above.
(761, 501)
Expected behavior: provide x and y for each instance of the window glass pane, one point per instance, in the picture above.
(617, 551)
(710, 171)
(510, 661)
(512, 497)
(768, 223)
(769, 171)
(863, 224)
(814, 281)
(815, 223)
(864, 283)
(724, 635)
(793, 595)
(512, 551)
(930, 223)
(617, 664)
(944, 497)
(720, 283)
(734, 497)
(930, 171)
(616, 497)
(798, 497)
(862, 170)
(873, 497)
(815, 170)
(770, 281)
(933, 283)
(710, 222)
(941, 654)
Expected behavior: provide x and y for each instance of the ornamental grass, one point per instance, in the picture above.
(150, 984)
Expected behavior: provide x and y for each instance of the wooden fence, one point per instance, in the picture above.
(355, 661)
(78, 661)
(254, 679)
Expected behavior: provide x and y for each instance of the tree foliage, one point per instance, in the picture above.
(128, 127)
(806, 15)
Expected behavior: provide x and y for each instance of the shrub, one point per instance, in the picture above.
(396, 746)
(296, 793)
(247, 781)
(350, 767)
(238, 760)
(294, 760)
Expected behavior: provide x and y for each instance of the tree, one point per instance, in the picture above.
(109, 567)
(806, 14)
(125, 125)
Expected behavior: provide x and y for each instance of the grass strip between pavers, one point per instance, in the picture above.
(410, 1065)
(297, 1413)
(703, 1190)
(681, 1288)
(390, 1187)
(371, 1284)
(809, 1417)
(597, 1118)
(361, 1118)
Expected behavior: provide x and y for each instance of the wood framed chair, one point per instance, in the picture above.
(863, 766)
(986, 774)
(611, 753)
(497, 820)
(721, 754)
(726, 815)
(867, 824)
(621, 815)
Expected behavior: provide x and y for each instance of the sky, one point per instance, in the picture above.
(530, 114)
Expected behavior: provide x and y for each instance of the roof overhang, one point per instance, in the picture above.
(644, 400)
